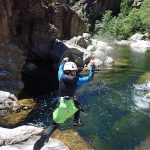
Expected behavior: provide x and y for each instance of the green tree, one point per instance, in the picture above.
(128, 22)
(85, 20)
(124, 27)
(126, 6)
(145, 14)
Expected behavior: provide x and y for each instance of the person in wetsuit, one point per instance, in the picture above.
(68, 81)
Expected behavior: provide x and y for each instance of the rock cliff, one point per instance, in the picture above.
(95, 9)
(28, 32)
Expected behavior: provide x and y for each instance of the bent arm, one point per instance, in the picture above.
(88, 78)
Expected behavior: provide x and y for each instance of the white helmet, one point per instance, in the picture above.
(70, 66)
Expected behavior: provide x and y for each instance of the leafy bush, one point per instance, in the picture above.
(127, 23)
(126, 6)
(124, 27)
(145, 15)
(85, 19)
(47, 2)
(72, 2)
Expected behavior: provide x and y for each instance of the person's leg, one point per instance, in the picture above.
(77, 121)
(45, 136)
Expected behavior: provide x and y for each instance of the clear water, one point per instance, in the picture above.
(117, 117)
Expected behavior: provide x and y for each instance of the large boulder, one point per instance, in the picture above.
(28, 33)
(136, 37)
(38, 27)
(4, 27)
(8, 103)
(67, 22)
(11, 56)
(11, 62)
(140, 46)
(17, 135)
(97, 50)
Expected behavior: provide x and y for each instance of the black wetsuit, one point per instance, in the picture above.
(67, 85)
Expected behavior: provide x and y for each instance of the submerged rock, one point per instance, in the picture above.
(121, 62)
(26, 106)
(72, 139)
(144, 145)
(145, 77)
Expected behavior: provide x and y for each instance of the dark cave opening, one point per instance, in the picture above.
(40, 81)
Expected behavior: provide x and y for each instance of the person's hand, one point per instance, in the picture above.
(66, 59)
(91, 67)
(92, 62)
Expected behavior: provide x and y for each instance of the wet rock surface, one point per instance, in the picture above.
(22, 112)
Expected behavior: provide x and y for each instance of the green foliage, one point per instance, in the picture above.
(124, 27)
(145, 14)
(127, 23)
(48, 2)
(126, 6)
(72, 2)
(85, 20)
(105, 26)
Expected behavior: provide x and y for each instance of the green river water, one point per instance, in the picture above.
(117, 116)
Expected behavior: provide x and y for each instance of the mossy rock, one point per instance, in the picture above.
(145, 77)
(120, 62)
(72, 139)
(145, 145)
(26, 106)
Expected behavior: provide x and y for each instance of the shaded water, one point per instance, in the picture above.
(117, 117)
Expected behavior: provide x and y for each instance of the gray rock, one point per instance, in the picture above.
(87, 36)
(24, 137)
(137, 36)
(17, 135)
(8, 103)
(81, 42)
(29, 66)
(140, 46)
(54, 144)
(8, 148)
